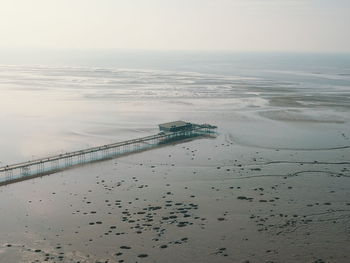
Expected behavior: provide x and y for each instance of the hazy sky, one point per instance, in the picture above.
(237, 25)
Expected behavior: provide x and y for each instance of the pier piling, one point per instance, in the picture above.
(48, 165)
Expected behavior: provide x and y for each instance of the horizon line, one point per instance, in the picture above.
(224, 51)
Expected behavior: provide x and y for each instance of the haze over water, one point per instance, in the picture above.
(84, 99)
(272, 187)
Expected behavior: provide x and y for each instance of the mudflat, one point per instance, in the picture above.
(273, 186)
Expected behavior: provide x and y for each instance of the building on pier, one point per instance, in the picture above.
(175, 126)
(170, 132)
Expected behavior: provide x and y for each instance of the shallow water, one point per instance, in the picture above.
(273, 186)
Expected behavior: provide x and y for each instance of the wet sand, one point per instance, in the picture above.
(272, 187)
(210, 200)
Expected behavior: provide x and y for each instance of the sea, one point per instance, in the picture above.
(271, 186)
(56, 101)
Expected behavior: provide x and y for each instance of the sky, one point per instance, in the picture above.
(218, 25)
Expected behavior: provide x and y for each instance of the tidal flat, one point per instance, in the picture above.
(209, 200)
(273, 186)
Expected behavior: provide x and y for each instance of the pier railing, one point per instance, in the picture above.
(43, 166)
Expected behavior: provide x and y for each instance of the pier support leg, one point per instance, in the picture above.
(25, 171)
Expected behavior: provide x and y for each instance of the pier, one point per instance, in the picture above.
(169, 133)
